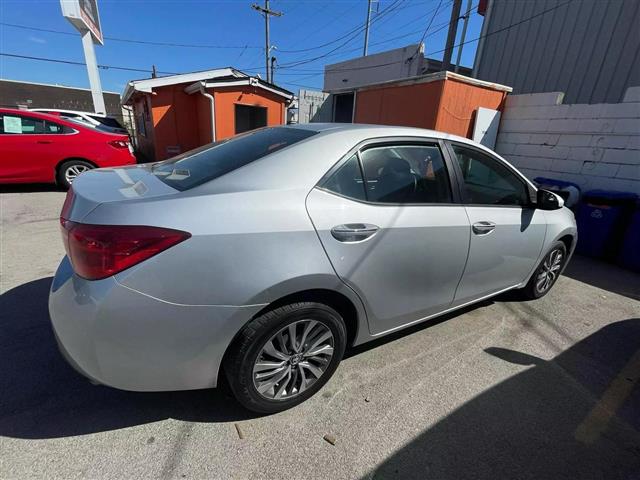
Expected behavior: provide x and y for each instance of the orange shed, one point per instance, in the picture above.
(178, 113)
(443, 101)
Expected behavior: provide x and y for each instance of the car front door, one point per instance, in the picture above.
(29, 148)
(393, 229)
(507, 232)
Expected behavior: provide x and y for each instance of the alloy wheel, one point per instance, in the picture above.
(293, 359)
(73, 171)
(549, 270)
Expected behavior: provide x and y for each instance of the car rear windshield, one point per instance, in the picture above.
(108, 121)
(211, 161)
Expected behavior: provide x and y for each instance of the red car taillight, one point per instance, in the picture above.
(119, 143)
(99, 251)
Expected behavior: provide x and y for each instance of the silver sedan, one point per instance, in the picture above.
(262, 257)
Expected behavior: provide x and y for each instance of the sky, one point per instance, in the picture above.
(328, 31)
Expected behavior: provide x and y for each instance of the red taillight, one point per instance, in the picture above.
(99, 251)
(119, 143)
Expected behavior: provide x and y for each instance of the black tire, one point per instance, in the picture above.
(61, 174)
(532, 290)
(243, 353)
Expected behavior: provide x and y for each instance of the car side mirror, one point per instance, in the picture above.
(547, 200)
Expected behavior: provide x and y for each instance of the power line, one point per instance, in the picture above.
(129, 40)
(358, 29)
(433, 17)
(466, 42)
(508, 27)
(71, 62)
(386, 11)
(438, 28)
(106, 67)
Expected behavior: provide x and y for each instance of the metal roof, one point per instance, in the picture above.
(148, 84)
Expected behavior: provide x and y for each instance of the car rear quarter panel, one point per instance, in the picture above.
(246, 248)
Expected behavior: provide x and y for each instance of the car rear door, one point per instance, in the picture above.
(507, 232)
(391, 223)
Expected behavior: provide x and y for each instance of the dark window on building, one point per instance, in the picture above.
(347, 181)
(249, 118)
(343, 108)
(211, 161)
(487, 181)
(145, 107)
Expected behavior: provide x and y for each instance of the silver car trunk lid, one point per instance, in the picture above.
(116, 184)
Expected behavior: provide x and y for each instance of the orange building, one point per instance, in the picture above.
(443, 101)
(177, 113)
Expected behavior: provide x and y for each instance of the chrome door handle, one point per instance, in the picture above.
(482, 228)
(353, 232)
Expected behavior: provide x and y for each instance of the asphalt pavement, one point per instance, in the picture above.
(538, 390)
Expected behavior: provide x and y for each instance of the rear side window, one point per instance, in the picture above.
(207, 163)
(406, 174)
(347, 181)
(394, 174)
(50, 127)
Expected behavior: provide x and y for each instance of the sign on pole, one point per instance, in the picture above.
(84, 16)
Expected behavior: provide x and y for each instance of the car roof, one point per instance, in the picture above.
(35, 114)
(370, 130)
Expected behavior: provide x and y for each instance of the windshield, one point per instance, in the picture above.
(211, 161)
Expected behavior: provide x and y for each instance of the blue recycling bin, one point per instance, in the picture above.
(629, 255)
(602, 218)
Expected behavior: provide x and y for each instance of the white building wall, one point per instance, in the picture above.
(375, 68)
(592, 145)
(314, 106)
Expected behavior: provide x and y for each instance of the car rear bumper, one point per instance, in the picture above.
(119, 337)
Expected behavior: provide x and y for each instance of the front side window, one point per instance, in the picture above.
(15, 124)
(405, 174)
(211, 161)
(487, 181)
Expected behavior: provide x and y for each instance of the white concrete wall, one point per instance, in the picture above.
(314, 106)
(593, 145)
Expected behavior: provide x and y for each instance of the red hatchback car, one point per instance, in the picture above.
(36, 147)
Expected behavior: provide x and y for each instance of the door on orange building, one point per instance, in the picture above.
(249, 117)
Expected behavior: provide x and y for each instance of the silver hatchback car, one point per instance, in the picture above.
(262, 257)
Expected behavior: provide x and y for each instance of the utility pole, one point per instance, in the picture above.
(154, 72)
(464, 34)
(451, 36)
(266, 12)
(366, 31)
